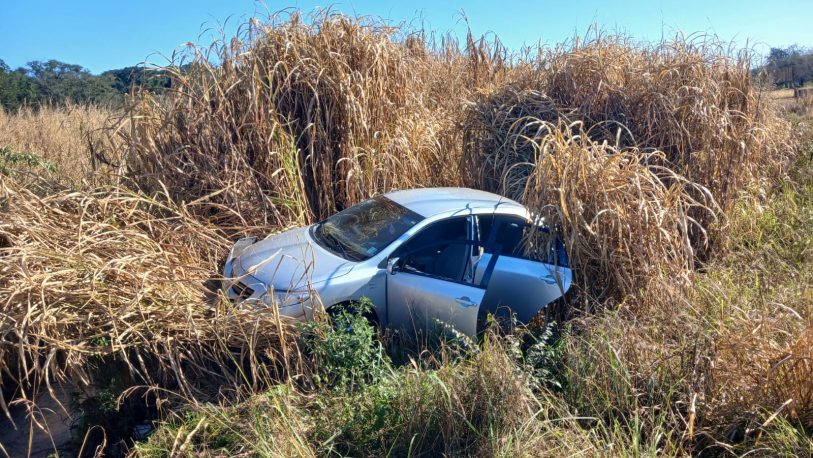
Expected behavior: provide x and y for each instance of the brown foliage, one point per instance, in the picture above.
(110, 272)
(301, 118)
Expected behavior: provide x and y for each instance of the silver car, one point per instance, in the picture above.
(422, 256)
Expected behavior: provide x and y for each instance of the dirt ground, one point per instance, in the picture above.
(14, 435)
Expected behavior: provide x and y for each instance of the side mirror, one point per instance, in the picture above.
(392, 265)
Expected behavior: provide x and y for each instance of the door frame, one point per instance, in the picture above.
(483, 284)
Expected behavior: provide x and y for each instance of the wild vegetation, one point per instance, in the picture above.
(683, 194)
(68, 137)
(790, 67)
(58, 83)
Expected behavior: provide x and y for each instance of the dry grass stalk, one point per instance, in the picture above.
(304, 117)
(791, 378)
(73, 137)
(692, 100)
(624, 220)
(112, 272)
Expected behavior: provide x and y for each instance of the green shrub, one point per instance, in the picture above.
(541, 355)
(345, 351)
(11, 162)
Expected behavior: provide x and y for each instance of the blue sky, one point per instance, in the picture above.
(101, 35)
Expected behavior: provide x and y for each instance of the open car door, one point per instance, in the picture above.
(447, 277)
(430, 281)
(518, 282)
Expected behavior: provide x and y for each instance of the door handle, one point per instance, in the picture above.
(548, 279)
(465, 301)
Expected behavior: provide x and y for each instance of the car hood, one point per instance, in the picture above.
(289, 261)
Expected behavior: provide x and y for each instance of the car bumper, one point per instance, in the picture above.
(246, 290)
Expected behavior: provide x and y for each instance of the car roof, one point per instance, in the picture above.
(429, 202)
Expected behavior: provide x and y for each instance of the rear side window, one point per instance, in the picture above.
(515, 237)
(505, 232)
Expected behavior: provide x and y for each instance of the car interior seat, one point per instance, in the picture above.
(451, 262)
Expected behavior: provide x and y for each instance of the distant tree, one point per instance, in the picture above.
(154, 80)
(60, 82)
(777, 55)
(16, 88)
(791, 66)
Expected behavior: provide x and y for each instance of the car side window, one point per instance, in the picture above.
(503, 231)
(439, 250)
(517, 238)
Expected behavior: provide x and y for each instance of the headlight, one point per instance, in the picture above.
(236, 250)
(241, 245)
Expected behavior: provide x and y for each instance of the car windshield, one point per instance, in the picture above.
(363, 230)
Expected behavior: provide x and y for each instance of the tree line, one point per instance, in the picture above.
(790, 67)
(55, 82)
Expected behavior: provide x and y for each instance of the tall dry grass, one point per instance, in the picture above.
(306, 115)
(624, 219)
(691, 99)
(72, 137)
(631, 151)
(86, 275)
(722, 361)
(761, 304)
